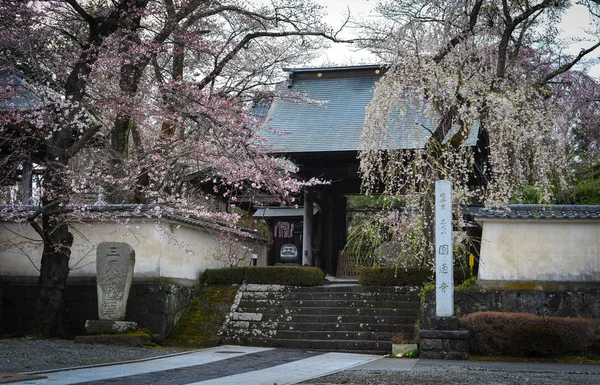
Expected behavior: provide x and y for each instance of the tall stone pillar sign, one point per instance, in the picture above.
(444, 277)
(444, 339)
(114, 272)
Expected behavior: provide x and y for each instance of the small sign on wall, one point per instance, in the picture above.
(288, 253)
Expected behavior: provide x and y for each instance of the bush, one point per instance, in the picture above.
(528, 195)
(587, 192)
(393, 276)
(401, 276)
(285, 275)
(524, 334)
(539, 339)
(225, 276)
(277, 275)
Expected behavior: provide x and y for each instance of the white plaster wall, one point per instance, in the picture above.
(540, 250)
(162, 248)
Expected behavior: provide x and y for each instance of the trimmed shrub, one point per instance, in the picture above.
(393, 276)
(539, 339)
(277, 275)
(401, 276)
(224, 276)
(285, 275)
(524, 334)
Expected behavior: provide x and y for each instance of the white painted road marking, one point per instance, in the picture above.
(112, 371)
(297, 371)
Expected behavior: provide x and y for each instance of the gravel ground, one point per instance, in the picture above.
(32, 355)
(427, 373)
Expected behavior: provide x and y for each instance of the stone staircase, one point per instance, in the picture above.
(345, 318)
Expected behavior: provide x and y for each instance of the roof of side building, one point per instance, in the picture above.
(530, 211)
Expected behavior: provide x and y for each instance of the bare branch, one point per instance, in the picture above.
(570, 64)
(251, 36)
(473, 16)
(86, 16)
(83, 140)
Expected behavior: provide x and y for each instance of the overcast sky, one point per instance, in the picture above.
(574, 22)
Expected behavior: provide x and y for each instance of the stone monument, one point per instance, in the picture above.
(444, 341)
(114, 272)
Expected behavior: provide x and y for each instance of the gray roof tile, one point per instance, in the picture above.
(540, 212)
(337, 124)
(19, 95)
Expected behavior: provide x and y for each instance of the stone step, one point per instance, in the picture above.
(335, 289)
(329, 335)
(331, 319)
(316, 311)
(358, 296)
(351, 346)
(349, 303)
(338, 327)
(335, 317)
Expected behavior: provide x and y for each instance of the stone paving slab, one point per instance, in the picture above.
(68, 377)
(294, 372)
(222, 365)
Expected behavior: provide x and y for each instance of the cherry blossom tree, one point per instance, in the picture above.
(145, 99)
(498, 67)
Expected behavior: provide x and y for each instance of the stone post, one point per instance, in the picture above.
(114, 272)
(444, 341)
(444, 272)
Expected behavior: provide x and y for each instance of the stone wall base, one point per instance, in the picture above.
(444, 341)
(584, 304)
(114, 339)
(154, 304)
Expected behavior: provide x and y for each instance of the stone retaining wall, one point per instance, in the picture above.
(542, 303)
(155, 305)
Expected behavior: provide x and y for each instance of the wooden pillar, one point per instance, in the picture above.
(307, 228)
(27, 185)
(340, 233)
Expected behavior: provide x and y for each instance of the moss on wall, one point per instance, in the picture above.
(199, 325)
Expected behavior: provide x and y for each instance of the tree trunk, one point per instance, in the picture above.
(54, 268)
(54, 231)
(53, 277)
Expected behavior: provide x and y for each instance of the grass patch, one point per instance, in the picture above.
(199, 325)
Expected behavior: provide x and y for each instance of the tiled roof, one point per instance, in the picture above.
(105, 212)
(337, 124)
(281, 211)
(20, 96)
(540, 212)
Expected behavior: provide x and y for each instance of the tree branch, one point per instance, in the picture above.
(86, 16)
(251, 36)
(569, 65)
(511, 24)
(473, 16)
(83, 140)
(36, 226)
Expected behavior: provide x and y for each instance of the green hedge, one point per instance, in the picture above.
(225, 276)
(393, 276)
(278, 275)
(401, 276)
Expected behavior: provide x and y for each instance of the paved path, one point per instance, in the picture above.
(223, 365)
(241, 365)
